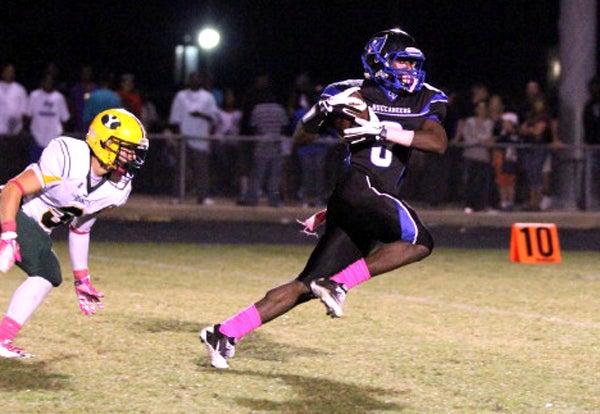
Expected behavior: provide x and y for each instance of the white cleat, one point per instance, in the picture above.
(220, 347)
(9, 350)
(332, 294)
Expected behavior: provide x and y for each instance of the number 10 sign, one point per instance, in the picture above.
(534, 243)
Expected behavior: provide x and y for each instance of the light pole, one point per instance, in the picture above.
(186, 60)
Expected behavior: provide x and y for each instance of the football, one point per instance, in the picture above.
(359, 106)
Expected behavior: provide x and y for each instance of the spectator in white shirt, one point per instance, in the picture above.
(46, 115)
(194, 112)
(13, 101)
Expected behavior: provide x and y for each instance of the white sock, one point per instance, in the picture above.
(27, 298)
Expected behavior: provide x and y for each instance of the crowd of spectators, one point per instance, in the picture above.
(501, 155)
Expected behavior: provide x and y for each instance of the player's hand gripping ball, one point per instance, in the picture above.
(355, 107)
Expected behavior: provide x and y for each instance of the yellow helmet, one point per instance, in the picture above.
(112, 130)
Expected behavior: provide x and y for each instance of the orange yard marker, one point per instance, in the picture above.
(534, 243)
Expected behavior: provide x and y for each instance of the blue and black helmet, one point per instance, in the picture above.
(379, 57)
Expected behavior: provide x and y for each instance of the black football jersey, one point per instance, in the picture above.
(386, 163)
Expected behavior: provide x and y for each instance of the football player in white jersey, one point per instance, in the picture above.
(73, 181)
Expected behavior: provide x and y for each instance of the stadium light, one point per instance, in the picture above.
(208, 38)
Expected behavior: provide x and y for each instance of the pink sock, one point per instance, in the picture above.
(353, 275)
(9, 329)
(240, 324)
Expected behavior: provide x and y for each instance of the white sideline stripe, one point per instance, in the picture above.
(523, 315)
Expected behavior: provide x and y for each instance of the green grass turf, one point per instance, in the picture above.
(464, 331)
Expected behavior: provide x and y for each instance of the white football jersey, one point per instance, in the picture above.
(68, 195)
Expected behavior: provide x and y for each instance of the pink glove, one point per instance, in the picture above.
(9, 250)
(89, 297)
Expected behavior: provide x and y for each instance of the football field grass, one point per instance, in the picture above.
(464, 331)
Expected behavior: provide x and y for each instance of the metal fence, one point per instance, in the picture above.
(432, 178)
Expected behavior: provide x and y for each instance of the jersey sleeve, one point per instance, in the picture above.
(54, 163)
(438, 106)
(330, 90)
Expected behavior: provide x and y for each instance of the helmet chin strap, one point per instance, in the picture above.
(119, 178)
(120, 170)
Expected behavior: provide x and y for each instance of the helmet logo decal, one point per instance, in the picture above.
(111, 121)
(376, 44)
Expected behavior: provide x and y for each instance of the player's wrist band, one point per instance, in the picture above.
(9, 225)
(80, 274)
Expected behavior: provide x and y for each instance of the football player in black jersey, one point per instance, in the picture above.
(369, 229)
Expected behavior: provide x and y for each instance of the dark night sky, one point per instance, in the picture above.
(503, 43)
